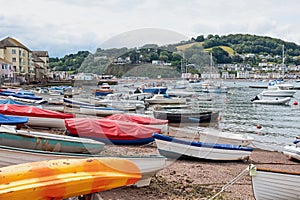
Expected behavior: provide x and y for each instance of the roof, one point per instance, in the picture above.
(35, 58)
(41, 53)
(11, 42)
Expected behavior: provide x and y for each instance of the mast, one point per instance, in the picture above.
(283, 60)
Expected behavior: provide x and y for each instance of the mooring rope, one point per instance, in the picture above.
(238, 177)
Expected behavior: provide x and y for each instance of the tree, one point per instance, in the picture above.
(200, 38)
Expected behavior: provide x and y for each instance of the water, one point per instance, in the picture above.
(280, 123)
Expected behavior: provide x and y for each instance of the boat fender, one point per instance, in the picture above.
(258, 126)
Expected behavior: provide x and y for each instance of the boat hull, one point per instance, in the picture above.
(186, 117)
(48, 142)
(292, 151)
(65, 178)
(149, 165)
(171, 147)
(271, 184)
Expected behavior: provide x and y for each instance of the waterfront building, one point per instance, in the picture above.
(27, 65)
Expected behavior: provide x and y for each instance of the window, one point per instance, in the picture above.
(13, 51)
(14, 59)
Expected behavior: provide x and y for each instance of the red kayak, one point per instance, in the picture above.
(110, 131)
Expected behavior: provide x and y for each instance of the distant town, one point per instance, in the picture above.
(20, 64)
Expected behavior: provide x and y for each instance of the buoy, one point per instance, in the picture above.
(295, 103)
(258, 126)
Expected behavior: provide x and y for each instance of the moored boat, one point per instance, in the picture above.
(270, 100)
(165, 99)
(178, 148)
(186, 116)
(65, 178)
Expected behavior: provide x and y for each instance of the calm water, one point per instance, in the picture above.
(280, 123)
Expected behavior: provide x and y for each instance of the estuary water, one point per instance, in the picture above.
(280, 123)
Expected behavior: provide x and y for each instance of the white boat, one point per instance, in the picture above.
(221, 137)
(149, 165)
(292, 151)
(165, 99)
(279, 90)
(118, 100)
(260, 99)
(270, 184)
(177, 148)
(99, 111)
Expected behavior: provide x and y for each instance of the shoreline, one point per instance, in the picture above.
(201, 179)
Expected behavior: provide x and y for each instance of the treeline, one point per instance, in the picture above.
(246, 43)
(71, 62)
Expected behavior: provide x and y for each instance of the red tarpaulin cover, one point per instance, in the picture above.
(31, 111)
(111, 129)
(137, 119)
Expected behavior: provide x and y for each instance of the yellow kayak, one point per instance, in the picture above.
(58, 179)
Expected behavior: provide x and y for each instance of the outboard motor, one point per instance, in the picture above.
(255, 98)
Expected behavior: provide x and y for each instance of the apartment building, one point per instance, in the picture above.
(27, 65)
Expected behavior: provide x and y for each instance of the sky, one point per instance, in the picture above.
(62, 27)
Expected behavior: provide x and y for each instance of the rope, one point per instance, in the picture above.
(238, 177)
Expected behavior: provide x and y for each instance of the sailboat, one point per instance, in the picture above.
(210, 86)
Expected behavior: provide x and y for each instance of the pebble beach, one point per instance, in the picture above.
(201, 179)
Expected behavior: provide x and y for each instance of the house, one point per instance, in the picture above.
(6, 70)
(24, 61)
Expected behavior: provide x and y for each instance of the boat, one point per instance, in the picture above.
(279, 90)
(178, 148)
(148, 165)
(214, 87)
(9, 136)
(186, 116)
(165, 99)
(293, 151)
(10, 101)
(99, 111)
(110, 131)
(76, 103)
(259, 99)
(12, 120)
(21, 94)
(214, 136)
(64, 178)
(274, 184)
(37, 117)
(142, 119)
(103, 90)
(118, 100)
(155, 89)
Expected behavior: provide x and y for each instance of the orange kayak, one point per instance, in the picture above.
(58, 179)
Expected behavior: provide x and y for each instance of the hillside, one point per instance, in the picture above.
(224, 49)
